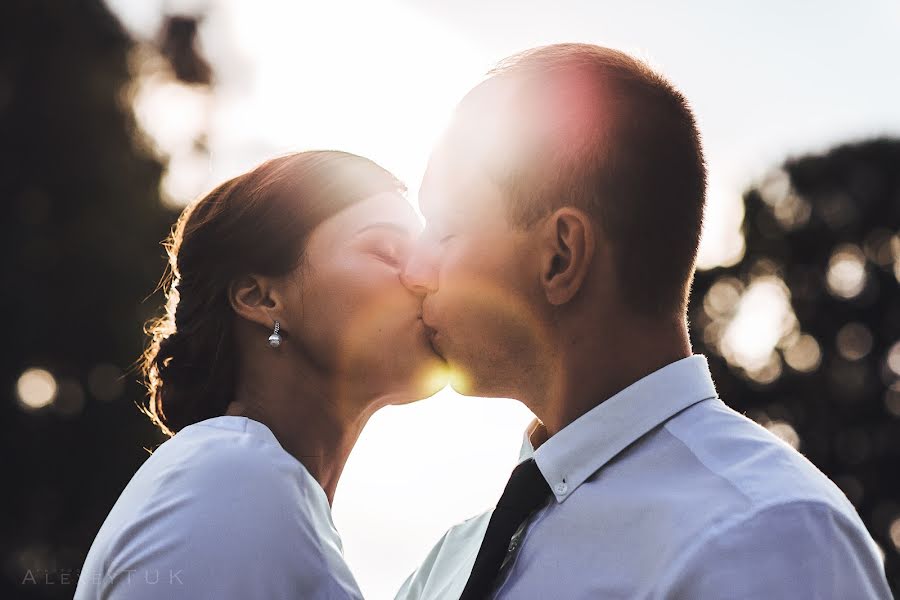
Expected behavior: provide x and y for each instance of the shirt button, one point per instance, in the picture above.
(561, 488)
(513, 544)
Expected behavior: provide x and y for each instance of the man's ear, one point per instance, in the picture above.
(255, 298)
(568, 249)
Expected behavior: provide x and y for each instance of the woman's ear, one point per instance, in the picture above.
(568, 249)
(254, 298)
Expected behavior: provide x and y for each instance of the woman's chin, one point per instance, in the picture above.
(433, 376)
(429, 377)
(408, 368)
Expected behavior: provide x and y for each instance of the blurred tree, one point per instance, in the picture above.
(178, 43)
(822, 263)
(81, 232)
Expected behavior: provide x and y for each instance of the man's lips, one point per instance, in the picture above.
(429, 330)
(425, 323)
(430, 333)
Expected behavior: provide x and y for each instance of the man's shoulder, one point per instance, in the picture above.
(804, 548)
(774, 482)
(756, 465)
(705, 469)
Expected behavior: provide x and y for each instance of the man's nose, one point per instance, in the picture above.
(419, 274)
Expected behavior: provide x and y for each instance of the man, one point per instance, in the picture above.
(564, 209)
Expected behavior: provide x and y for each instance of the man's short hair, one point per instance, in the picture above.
(594, 128)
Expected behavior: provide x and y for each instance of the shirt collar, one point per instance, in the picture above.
(576, 452)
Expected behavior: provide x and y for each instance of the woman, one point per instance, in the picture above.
(286, 328)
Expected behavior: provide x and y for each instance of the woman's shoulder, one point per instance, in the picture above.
(222, 477)
(222, 502)
(233, 453)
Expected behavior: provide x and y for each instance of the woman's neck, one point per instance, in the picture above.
(315, 421)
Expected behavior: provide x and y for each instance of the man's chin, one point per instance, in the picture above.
(459, 372)
(477, 382)
(461, 379)
(433, 375)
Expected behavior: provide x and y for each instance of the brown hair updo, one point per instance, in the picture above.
(257, 223)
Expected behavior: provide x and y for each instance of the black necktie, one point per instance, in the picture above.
(525, 492)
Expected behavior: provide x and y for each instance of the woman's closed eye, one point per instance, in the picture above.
(388, 252)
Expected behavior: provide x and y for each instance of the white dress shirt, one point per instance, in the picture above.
(662, 491)
(220, 511)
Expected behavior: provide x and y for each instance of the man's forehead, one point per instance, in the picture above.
(511, 122)
(449, 175)
(457, 189)
(482, 137)
(438, 176)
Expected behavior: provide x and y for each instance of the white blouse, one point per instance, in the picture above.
(221, 511)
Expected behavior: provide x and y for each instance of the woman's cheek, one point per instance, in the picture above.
(323, 313)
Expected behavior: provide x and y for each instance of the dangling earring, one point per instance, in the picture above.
(275, 338)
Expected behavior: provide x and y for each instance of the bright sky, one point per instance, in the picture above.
(767, 80)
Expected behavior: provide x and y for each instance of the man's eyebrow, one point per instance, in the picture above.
(396, 227)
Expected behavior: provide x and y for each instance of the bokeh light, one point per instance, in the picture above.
(879, 247)
(847, 271)
(786, 432)
(892, 399)
(805, 355)
(722, 298)
(752, 323)
(105, 382)
(893, 359)
(36, 389)
(894, 532)
(789, 209)
(895, 250)
(854, 341)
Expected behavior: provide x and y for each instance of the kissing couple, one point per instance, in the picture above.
(564, 206)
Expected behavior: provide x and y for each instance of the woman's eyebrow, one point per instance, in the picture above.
(396, 227)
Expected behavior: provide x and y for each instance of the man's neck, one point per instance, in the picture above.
(592, 369)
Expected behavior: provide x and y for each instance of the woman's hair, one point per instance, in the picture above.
(257, 223)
